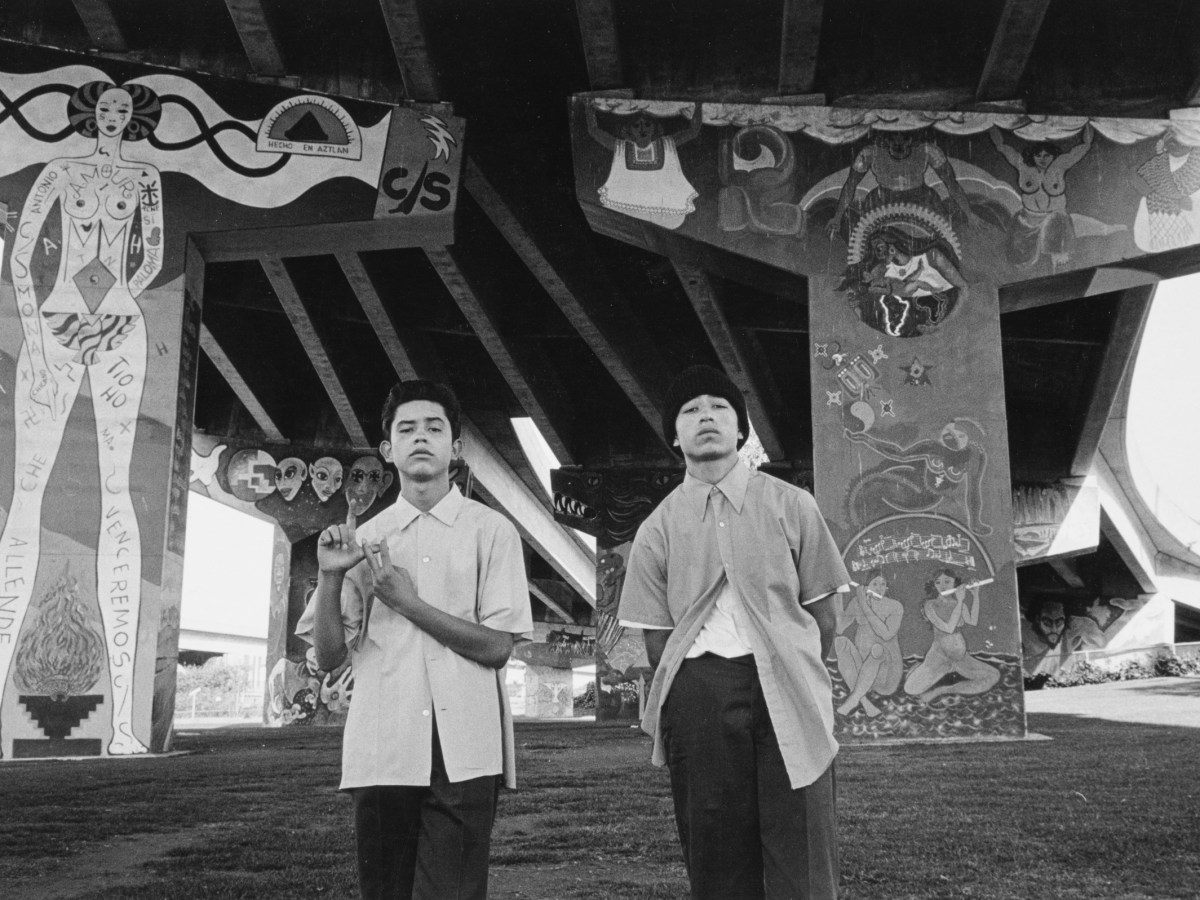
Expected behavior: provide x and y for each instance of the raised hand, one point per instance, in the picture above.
(393, 586)
(338, 549)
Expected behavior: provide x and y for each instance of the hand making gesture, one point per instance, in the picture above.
(393, 585)
(337, 547)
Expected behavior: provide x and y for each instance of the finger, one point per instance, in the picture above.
(351, 521)
(370, 557)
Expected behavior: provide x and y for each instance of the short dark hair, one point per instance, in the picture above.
(417, 389)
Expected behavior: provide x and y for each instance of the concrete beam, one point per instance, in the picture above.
(799, 42)
(103, 29)
(484, 321)
(219, 358)
(507, 492)
(258, 36)
(601, 49)
(407, 34)
(1132, 311)
(1012, 44)
(310, 339)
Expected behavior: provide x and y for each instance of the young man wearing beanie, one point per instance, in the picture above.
(732, 578)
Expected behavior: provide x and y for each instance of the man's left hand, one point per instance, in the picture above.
(393, 585)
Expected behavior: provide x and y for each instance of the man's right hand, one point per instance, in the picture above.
(338, 549)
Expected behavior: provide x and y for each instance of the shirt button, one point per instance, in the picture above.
(722, 524)
(425, 712)
(424, 559)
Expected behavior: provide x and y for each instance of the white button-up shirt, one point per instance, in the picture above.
(466, 560)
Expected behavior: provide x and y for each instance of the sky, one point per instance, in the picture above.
(1163, 426)
(226, 570)
(226, 576)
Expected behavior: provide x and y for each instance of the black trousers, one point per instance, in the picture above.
(425, 843)
(745, 833)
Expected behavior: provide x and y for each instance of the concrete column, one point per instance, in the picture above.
(910, 466)
(93, 483)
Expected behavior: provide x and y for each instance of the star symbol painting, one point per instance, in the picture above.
(916, 372)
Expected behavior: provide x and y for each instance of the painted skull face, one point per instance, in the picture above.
(290, 476)
(367, 481)
(251, 475)
(326, 475)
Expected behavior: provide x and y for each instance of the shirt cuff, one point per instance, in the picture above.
(841, 589)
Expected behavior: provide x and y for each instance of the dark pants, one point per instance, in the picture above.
(425, 843)
(746, 834)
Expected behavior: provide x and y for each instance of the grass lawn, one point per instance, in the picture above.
(1102, 811)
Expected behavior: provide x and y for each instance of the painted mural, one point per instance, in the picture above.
(1054, 628)
(916, 654)
(104, 175)
(968, 196)
(1055, 519)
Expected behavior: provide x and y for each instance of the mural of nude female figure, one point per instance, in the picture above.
(88, 325)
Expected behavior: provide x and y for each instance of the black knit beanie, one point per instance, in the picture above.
(697, 380)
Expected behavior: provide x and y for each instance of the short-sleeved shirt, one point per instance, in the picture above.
(466, 560)
(768, 539)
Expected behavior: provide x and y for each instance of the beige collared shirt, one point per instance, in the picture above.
(767, 538)
(466, 560)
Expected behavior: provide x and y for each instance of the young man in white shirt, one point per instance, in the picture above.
(427, 598)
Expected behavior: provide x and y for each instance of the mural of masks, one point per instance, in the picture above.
(326, 476)
(368, 480)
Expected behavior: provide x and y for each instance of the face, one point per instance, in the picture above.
(641, 130)
(954, 437)
(326, 474)
(289, 477)
(114, 109)
(420, 444)
(367, 481)
(878, 586)
(944, 583)
(899, 145)
(706, 428)
(1051, 622)
(1043, 158)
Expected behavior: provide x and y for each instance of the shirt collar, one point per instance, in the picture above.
(733, 486)
(445, 511)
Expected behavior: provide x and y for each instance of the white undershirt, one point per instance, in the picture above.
(720, 633)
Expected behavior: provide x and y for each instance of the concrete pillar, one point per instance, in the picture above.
(92, 540)
(910, 468)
